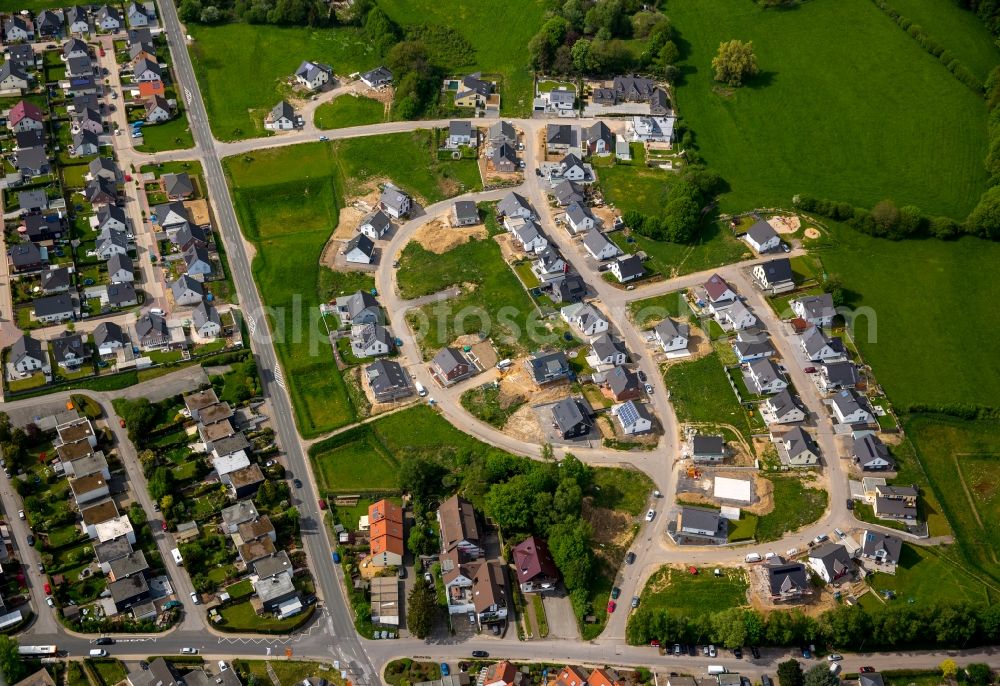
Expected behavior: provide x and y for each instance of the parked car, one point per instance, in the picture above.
(650, 514)
(649, 389)
(867, 669)
(163, 525)
(444, 669)
(834, 657)
(805, 652)
(615, 592)
(322, 504)
(611, 606)
(298, 483)
(31, 540)
(429, 578)
(711, 651)
(20, 514)
(819, 539)
(755, 652)
(642, 376)
(105, 641)
(194, 598)
(50, 602)
(189, 651)
(480, 653)
(635, 601)
(630, 558)
(850, 504)
(677, 649)
(48, 588)
(401, 572)
(809, 370)
(738, 653)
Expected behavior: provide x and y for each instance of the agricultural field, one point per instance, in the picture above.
(796, 128)
(499, 32)
(695, 594)
(241, 68)
(346, 111)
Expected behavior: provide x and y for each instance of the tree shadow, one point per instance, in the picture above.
(763, 79)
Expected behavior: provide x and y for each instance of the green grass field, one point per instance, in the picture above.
(956, 276)
(797, 129)
(500, 32)
(795, 505)
(622, 489)
(691, 594)
(714, 247)
(346, 111)
(241, 68)
(171, 135)
(958, 30)
(360, 465)
(927, 577)
(649, 311)
(636, 187)
(699, 392)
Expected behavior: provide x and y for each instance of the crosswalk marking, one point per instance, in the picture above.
(278, 378)
(251, 324)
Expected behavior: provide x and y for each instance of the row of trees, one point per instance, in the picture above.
(282, 12)
(682, 211)
(897, 626)
(588, 37)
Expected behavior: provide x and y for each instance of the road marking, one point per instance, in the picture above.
(278, 378)
(187, 95)
(251, 324)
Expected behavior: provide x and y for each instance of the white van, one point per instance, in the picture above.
(421, 391)
(753, 557)
(156, 310)
(178, 560)
(715, 670)
(504, 364)
(98, 652)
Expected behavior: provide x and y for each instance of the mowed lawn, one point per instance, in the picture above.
(499, 30)
(949, 449)
(700, 393)
(287, 201)
(347, 110)
(924, 576)
(837, 114)
(689, 594)
(713, 247)
(960, 31)
(795, 505)
(241, 68)
(361, 464)
(635, 187)
(908, 285)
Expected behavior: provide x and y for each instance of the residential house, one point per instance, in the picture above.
(197, 262)
(246, 481)
(571, 418)
(360, 307)
(735, 316)
(762, 237)
(13, 78)
(32, 162)
(672, 336)
(385, 534)
(370, 340)
(782, 408)
(234, 515)
(503, 673)
(22, 56)
(571, 289)
(151, 332)
(97, 513)
(136, 15)
(112, 218)
(74, 48)
(547, 367)
(157, 110)
(830, 561)
(566, 193)
(55, 280)
(108, 551)
(100, 191)
(774, 276)
(515, 205)
(597, 139)
(579, 219)
(536, 570)
(377, 77)
(282, 117)
(206, 320)
(834, 376)
(819, 347)
(896, 502)
(818, 310)
(607, 677)
(473, 91)
(571, 675)
(187, 291)
(621, 384)
(79, 67)
(54, 308)
(120, 269)
(129, 592)
(388, 381)
(26, 257)
(147, 70)
(504, 159)
(171, 217)
(464, 213)
(633, 418)
(32, 138)
(572, 168)
(752, 344)
(460, 132)
(870, 679)
(658, 129)
(177, 186)
(18, 28)
(871, 454)
(450, 365)
(561, 138)
(585, 318)
(597, 244)
(89, 488)
(881, 548)
(633, 88)
(489, 592)
(606, 351)
(501, 132)
(313, 75)
(850, 408)
(188, 236)
(49, 23)
(25, 116)
(708, 449)
(395, 202)
(27, 356)
(108, 18)
(129, 565)
(69, 351)
(701, 523)
(549, 266)
(459, 530)
(359, 250)
(628, 268)
(787, 581)
(275, 591)
(800, 448)
(375, 224)
(765, 377)
(527, 234)
(40, 228)
(558, 101)
(109, 338)
(77, 20)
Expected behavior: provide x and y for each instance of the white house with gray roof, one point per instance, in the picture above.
(121, 269)
(464, 213)
(461, 132)
(800, 450)
(566, 193)
(765, 377)
(360, 307)
(313, 75)
(501, 132)
(672, 336)
(598, 246)
(377, 77)
(818, 310)
(701, 523)
(850, 408)
(606, 351)
(871, 454)
(782, 408)
(13, 78)
(395, 202)
(27, 356)
(54, 308)
(585, 318)
(515, 205)
(206, 320)
(109, 338)
(370, 340)
(633, 418)
(762, 237)
(375, 224)
(579, 219)
(819, 347)
(627, 268)
(527, 234)
(774, 276)
(187, 291)
(359, 250)
(282, 117)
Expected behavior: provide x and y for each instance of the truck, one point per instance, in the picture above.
(421, 391)
(178, 560)
(715, 670)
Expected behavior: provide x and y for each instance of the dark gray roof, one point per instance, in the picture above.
(387, 375)
(54, 304)
(595, 241)
(777, 270)
(32, 199)
(151, 325)
(787, 578)
(700, 518)
(466, 209)
(817, 306)
(631, 267)
(504, 152)
(26, 346)
(668, 329)
(870, 679)
(31, 158)
(782, 403)
(133, 563)
(128, 588)
(74, 45)
(761, 232)
(570, 160)
(121, 293)
(578, 213)
(362, 243)
(67, 343)
(11, 69)
(100, 189)
(621, 380)
(231, 444)
(502, 129)
(140, 35)
(765, 370)
(112, 238)
(204, 313)
(749, 348)
(561, 134)
(107, 11)
(178, 184)
(869, 448)
(605, 346)
(847, 401)
(33, 138)
(377, 74)
(358, 302)
(833, 556)
(189, 233)
(310, 70)
(545, 366)
(107, 332)
(798, 442)
(85, 136)
(460, 127)
(447, 359)
(196, 253)
(873, 542)
(708, 445)
(145, 64)
(841, 373)
(186, 283)
(513, 203)
(599, 131)
(25, 254)
(106, 212)
(566, 192)
(568, 413)
(102, 164)
(113, 549)
(272, 565)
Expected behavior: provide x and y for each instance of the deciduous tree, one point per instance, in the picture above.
(735, 62)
